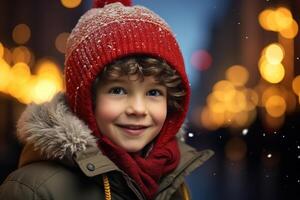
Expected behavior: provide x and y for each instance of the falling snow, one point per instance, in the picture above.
(245, 131)
(269, 155)
(191, 134)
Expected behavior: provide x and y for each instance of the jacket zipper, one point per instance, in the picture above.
(133, 186)
(183, 168)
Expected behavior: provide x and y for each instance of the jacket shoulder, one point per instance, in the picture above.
(34, 180)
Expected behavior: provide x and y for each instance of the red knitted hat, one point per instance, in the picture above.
(103, 35)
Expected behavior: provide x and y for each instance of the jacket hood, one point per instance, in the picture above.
(52, 130)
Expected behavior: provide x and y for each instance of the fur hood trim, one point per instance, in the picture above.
(53, 130)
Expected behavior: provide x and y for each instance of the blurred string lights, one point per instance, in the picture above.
(232, 104)
(16, 78)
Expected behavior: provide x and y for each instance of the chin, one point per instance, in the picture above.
(133, 149)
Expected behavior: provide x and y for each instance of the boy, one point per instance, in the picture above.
(113, 133)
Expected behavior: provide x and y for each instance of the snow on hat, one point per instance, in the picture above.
(110, 31)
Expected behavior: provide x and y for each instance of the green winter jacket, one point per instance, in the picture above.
(61, 161)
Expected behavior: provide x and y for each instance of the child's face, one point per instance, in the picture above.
(131, 113)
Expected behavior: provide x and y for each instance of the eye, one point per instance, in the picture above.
(117, 91)
(155, 92)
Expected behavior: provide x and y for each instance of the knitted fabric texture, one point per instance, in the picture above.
(103, 35)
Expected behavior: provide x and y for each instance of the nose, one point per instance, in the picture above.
(136, 106)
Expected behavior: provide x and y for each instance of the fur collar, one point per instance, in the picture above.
(54, 131)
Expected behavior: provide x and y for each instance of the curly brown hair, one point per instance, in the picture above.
(145, 66)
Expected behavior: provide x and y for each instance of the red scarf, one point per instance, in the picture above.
(145, 171)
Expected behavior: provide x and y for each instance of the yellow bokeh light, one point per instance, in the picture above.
(21, 54)
(7, 56)
(4, 75)
(296, 85)
(207, 119)
(20, 74)
(49, 81)
(274, 53)
(271, 91)
(283, 17)
(291, 31)
(1, 50)
(267, 20)
(238, 103)
(60, 42)
(240, 119)
(271, 73)
(224, 90)
(29, 86)
(50, 70)
(21, 34)
(276, 106)
(238, 75)
(70, 3)
(214, 104)
(44, 90)
(251, 99)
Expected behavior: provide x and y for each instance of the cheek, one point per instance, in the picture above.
(105, 111)
(159, 113)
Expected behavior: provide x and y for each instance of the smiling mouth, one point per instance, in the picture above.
(133, 130)
(133, 127)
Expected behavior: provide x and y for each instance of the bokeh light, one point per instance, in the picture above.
(4, 75)
(238, 75)
(48, 81)
(70, 3)
(1, 50)
(271, 73)
(21, 54)
(224, 90)
(251, 99)
(211, 120)
(201, 60)
(60, 42)
(296, 85)
(274, 53)
(21, 34)
(270, 91)
(7, 56)
(20, 74)
(280, 20)
(283, 18)
(291, 31)
(275, 106)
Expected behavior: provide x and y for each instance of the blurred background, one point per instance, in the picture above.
(243, 61)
